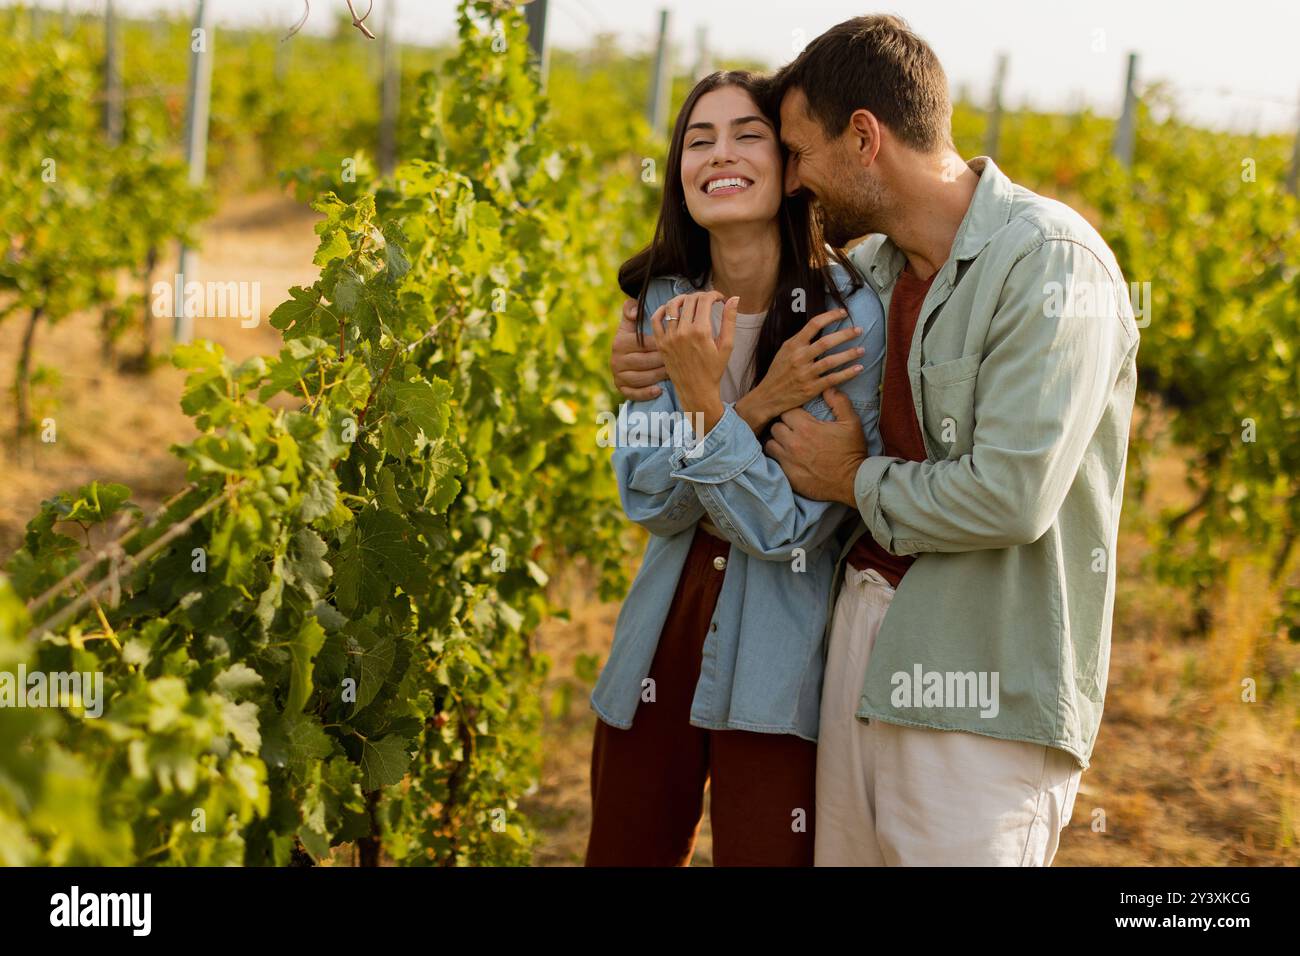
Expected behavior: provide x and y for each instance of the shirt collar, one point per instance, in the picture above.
(989, 211)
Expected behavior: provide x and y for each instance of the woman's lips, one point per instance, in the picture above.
(727, 185)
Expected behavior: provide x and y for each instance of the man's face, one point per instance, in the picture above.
(848, 197)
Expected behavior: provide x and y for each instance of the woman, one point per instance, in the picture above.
(715, 673)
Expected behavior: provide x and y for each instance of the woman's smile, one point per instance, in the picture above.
(721, 185)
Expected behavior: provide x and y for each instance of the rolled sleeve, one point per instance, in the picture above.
(726, 451)
(866, 487)
(651, 495)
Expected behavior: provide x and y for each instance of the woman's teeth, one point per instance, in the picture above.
(731, 182)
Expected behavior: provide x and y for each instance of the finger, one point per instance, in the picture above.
(795, 417)
(702, 306)
(831, 362)
(691, 307)
(728, 333)
(840, 405)
(640, 394)
(819, 322)
(781, 431)
(641, 378)
(637, 361)
(625, 339)
(842, 376)
(628, 318)
(625, 344)
(687, 311)
(775, 449)
(657, 320)
(673, 307)
(827, 342)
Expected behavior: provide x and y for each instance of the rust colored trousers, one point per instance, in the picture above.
(648, 782)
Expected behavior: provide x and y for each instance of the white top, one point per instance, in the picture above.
(739, 375)
(738, 378)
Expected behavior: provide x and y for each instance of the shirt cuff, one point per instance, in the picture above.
(725, 452)
(866, 492)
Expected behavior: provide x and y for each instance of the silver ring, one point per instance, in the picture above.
(671, 318)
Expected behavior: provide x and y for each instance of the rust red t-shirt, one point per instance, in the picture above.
(899, 429)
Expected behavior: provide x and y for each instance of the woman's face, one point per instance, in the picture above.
(731, 161)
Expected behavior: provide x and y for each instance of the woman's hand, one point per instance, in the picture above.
(696, 360)
(801, 370)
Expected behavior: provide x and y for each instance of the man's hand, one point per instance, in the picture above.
(821, 459)
(636, 368)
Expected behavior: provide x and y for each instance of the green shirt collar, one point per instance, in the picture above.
(989, 211)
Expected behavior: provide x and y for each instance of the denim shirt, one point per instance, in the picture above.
(763, 656)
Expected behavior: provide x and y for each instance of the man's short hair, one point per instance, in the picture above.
(874, 63)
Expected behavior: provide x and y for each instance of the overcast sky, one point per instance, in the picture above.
(1232, 63)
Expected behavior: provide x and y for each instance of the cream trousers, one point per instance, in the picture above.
(891, 795)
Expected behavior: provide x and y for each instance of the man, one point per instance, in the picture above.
(990, 522)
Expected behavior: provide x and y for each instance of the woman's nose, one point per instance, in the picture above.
(723, 151)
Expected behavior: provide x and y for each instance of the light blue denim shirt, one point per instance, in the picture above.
(764, 653)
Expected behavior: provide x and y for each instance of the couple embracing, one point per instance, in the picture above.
(873, 616)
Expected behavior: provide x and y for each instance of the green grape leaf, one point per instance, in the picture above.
(384, 761)
(297, 310)
(423, 403)
(306, 566)
(377, 556)
(302, 649)
(373, 663)
(293, 741)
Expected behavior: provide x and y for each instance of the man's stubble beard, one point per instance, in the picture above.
(854, 212)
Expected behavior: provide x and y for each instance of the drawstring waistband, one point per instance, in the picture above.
(864, 576)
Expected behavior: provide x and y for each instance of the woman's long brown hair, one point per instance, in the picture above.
(681, 245)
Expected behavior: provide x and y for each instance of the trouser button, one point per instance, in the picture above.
(720, 563)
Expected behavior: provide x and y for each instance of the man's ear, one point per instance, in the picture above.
(865, 130)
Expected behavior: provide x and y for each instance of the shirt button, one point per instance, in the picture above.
(720, 563)
(713, 626)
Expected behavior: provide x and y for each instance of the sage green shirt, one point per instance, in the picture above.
(1023, 372)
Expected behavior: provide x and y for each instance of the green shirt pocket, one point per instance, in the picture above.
(948, 404)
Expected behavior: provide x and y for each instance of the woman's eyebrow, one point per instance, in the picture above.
(739, 121)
